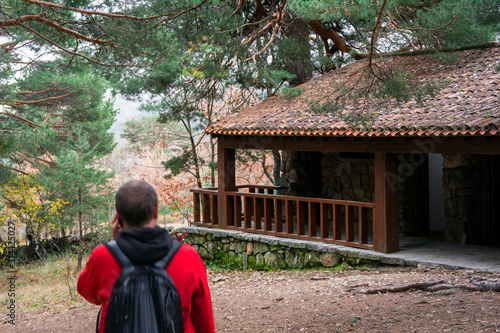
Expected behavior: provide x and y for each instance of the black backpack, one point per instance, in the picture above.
(144, 297)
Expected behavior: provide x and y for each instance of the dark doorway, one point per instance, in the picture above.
(492, 200)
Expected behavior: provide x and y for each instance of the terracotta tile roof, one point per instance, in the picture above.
(468, 103)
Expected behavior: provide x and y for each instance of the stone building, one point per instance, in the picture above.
(415, 166)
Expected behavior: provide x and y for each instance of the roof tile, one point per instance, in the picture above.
(468, 104)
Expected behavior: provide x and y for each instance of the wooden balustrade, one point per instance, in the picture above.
(343, 222)
(205, 204)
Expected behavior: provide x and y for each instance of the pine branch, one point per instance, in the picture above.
(42, 19)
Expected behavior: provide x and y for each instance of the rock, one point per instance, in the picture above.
(261, 248)
(243, 259)
(259, 261)
(289, 258)
(298, 260)
(219, 279)
(249, 248)
(317, 278)
(251, 261)
(197, 239)
(329, 259)
(203, 253)
(237, 247)
(311, 259)
(210, 248)
(271, 260)
(280, 258)
(451, 161)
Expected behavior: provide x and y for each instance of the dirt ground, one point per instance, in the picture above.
(316, 301)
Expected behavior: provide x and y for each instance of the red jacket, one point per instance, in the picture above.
(186, 269)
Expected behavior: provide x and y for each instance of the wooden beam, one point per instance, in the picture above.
(416, 145)
(386, 224)
(226, 178)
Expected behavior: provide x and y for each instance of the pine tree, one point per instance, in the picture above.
(78, 180)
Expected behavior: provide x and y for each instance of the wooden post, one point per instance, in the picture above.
(237, 211)
(349, 223)
(268, 214)
(313, 217)
(325, 228)
(226, 178)
(196, 208)
(214, 218)
(363, 225)
(278, 216)
(386, 224)
(337, 226)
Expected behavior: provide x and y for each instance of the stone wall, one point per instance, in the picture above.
(463, 191)
(252, 251)
(301, 173)
(348, 179)
(354, 179)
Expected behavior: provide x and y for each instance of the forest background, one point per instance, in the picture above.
(188, 63)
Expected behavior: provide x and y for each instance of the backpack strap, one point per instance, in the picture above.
(98, 321)
(115, 250)
(163, 263)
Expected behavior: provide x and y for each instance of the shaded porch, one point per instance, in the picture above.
(368, 225)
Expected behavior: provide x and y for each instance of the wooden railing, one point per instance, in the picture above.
(343, 222)
(207, 213)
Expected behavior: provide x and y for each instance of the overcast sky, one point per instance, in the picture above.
(127, 110)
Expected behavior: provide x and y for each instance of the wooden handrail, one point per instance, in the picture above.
(271, 187)
(204, 190)
(264, 187)
(308, 199)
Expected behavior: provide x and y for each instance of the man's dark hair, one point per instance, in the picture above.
(135, 201)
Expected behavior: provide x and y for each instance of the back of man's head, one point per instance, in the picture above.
(135, 201)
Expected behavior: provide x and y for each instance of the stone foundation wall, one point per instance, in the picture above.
(463, 191)
(250, 251)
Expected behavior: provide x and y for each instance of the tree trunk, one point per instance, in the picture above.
(277, 168)
(298, 62)
(80, 232)
(195, 157)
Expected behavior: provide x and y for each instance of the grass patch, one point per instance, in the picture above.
(48, 284)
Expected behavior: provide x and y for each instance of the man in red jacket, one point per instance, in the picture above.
(136, 232)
